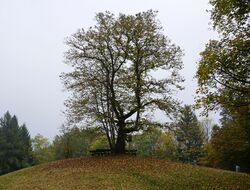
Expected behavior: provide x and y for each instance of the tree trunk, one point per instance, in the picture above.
(120, 142)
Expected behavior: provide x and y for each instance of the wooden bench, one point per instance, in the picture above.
(103, 152)
(100, 152)
(131, 152)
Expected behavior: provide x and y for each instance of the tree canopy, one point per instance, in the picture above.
(114, 79)
(230, 16)
(224, 69)
(224, 83)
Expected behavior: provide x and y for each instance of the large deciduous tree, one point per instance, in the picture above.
(224, 69)
(224, 81)
(114, 78)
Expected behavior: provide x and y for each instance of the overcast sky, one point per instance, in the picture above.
(32, 33)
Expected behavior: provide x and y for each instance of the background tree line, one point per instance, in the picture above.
(18, 150)
(185, 140)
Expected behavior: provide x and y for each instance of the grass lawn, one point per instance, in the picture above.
(121, 172)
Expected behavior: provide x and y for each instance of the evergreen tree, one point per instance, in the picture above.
(189, 135)
(15, 147)
(26, 146)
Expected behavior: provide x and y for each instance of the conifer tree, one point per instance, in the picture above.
(15, 147)
(189, 135)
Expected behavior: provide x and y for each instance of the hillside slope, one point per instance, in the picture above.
(121, 172)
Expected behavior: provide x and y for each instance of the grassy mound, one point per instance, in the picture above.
(121, 172)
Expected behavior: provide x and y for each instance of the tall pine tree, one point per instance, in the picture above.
(15, 146)
(189, 135)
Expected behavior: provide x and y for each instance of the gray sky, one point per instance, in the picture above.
(32, 33)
